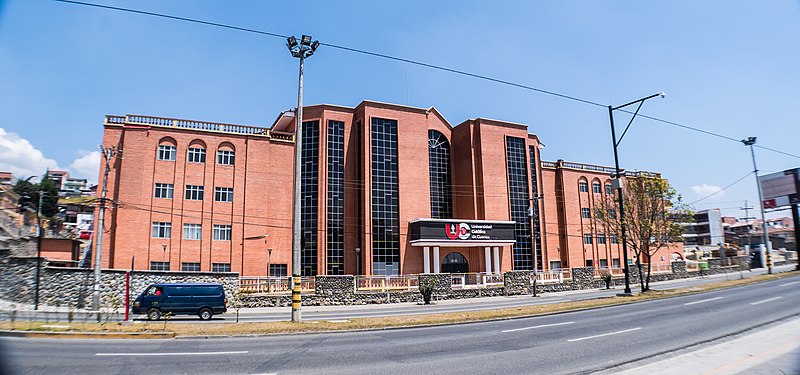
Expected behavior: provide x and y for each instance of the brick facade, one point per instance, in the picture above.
(261, 180)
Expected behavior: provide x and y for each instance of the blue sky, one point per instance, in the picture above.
(727, 66)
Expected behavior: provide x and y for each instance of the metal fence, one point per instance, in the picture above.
(377, 283)
(274, 284)
(475, 280)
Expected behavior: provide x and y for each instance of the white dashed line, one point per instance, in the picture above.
(701, 301)
(766, 300)
(164, 354)
(791, 283)
(534, 327)
(605, 334)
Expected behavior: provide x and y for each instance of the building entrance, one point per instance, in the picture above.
(455, 263)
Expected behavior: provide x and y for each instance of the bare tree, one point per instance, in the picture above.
(653, 210)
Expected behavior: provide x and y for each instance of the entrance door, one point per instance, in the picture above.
(455, 263)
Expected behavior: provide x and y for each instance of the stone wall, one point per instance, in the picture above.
(74, 286)
(517, 282)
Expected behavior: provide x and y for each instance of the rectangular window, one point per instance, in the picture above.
(222, 232)
(555, 264)
(225, 157)
(517, 175)
(596, 188)
(278, 270)
(192, 231)
(614, 239)
(335, 235)
(196, 155)
(194, 193)
(385, 198)
(223, 194)
(612, 213)
(190, 267)
(587, 239)
(586, 213)
(609, 190)
(589, 263)
(583, 187)
(164, 190)
(159, 266)
(603, 263)
(162, 229)
(166, 152)
(615, 262)
(601, 239)
(220, 267)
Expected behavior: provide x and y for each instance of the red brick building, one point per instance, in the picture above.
(386, 189)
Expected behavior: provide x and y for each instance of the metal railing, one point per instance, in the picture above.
(187, 124)
(274, 284)
(552, 276)
(614, 271)
(475, 280)
(378, 283)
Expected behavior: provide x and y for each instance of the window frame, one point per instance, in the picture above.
(164, 229)
(163, 189)
(194, 192)
(219, 230)
(193, 228)
(198, 153)
(226, 157)
(223, 192)
(168, 150)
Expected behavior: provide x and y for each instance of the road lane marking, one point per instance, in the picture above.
(164, 354)
(701, 301)
(534, 327)
(791, 283)
(766, 300)
(605, 334)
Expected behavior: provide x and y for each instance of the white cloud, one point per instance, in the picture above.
(19, 157)
(86, 166)
(705, 190)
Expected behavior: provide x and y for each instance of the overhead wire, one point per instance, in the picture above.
(723, 189)
(423, 64)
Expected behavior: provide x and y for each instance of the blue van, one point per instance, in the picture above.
(203, 300)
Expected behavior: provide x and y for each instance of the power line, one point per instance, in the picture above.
(423, 64)
(723, 189)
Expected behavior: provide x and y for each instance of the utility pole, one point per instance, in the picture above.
(38, 248)
(747, 219)
(301, 50)
(108, 153)
(765, 237)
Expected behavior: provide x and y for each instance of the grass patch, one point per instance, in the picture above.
(225, 329)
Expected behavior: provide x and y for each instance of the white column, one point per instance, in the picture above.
(488, 256)
(436, 259)
(426, 253)
(496, 259)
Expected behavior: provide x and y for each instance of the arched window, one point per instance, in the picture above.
(226, 154)
(583, 186)
(439, 170)
(196, 153)
(166, 149)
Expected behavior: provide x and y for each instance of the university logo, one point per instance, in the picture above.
(457, 231)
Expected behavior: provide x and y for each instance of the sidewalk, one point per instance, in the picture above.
(774, 349)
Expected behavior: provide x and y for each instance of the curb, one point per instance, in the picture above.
(88, 335)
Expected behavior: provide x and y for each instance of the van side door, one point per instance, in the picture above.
(179, 300)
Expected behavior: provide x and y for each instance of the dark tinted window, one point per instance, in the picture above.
(179, 290)
(206, 290)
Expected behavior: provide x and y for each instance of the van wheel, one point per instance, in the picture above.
(153, 314)
(205, 313)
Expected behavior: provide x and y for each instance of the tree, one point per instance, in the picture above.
(653, 211)
(25, 188)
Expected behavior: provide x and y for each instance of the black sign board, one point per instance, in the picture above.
(466, 231)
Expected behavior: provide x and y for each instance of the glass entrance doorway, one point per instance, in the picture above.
(455, 263)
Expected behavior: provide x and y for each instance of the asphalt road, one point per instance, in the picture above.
(568, 343)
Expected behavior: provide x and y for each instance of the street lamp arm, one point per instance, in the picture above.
(618, 141)
(661, 94)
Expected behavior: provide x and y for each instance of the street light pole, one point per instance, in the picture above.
(618, 180)
(301, 50)
(765, 237)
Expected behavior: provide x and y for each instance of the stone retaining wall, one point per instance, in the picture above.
(73, 286)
